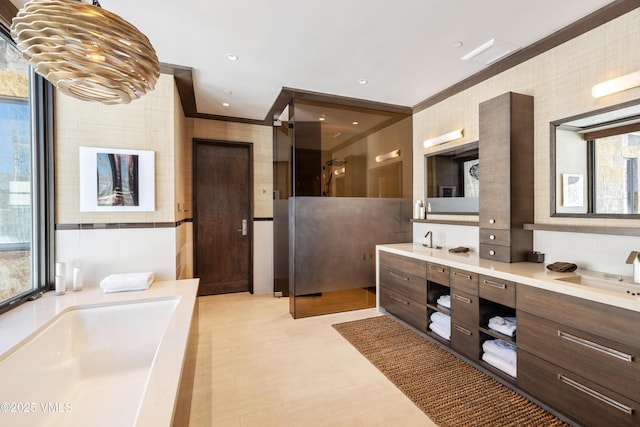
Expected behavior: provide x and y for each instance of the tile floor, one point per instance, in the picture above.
(256, 366)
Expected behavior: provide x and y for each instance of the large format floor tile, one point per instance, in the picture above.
(256, 366)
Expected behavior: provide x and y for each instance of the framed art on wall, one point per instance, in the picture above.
(114, 180)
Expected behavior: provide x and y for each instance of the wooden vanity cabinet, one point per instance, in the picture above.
(437, 285)
(403, 288)
(506, 193)
(464, 313)
(579, 356)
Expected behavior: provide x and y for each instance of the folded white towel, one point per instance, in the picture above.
(504, 325)
(126, 282)
(445, 301)
(441, 330)
(501, 349)
(495, 361)
(441, 319)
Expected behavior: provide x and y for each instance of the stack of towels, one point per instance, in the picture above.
(441, 325)
(126, 282)
(501, 355)
(444, 301)
(504, 325)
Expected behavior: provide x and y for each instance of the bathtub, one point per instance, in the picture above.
(107, 363)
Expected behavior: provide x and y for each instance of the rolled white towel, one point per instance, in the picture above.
(441, 330)
(496, 362)
(501, 349)
(504, 325)
(441, 319)
(126, 282)
(444, 300)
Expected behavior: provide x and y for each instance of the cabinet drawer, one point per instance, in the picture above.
(464, 308)
(465, 340)
(580, 399)
(617, 324)
(414, 267)
(496, 217)
(410, 311)
(497, 290)
(495, 237)
(495, 252)
(610, 364)
(438, 273)
(410, 286)
(465, 281)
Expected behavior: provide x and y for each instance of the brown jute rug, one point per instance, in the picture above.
(448, 390)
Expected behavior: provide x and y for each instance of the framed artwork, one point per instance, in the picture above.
(114, 180)
(471, 170)
(572, 190)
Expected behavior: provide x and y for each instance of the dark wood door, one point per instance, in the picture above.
(222, 193)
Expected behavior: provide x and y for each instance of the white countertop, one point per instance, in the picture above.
(21, 323)
(528, 273)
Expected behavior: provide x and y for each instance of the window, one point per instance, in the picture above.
(24, 178)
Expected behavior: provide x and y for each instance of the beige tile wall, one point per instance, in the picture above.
(560, 81)
(144, 124)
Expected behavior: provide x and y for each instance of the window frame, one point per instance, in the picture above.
(41, 97)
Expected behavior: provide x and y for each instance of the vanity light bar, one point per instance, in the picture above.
(616, 85)
(386, 156)
(451, 136)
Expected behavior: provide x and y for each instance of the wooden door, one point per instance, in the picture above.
(222, 200)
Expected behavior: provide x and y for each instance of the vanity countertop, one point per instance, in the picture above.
(527, 273)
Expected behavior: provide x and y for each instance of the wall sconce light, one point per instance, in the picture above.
(451, 136)
(85, 51)
(340, 171)
(386, 156)
(616, 85)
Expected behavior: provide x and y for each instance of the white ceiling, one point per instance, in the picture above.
(405, 48)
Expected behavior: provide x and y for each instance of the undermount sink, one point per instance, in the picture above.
(614, 284)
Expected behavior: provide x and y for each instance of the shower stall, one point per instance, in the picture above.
(342, 185)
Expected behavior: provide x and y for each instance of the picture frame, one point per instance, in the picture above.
(572, 190)
(116, 180)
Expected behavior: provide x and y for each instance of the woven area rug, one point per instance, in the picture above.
(448, 390)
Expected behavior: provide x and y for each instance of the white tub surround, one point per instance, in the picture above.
(88, 358)
(527, 273)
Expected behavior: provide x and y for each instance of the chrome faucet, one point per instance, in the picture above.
(430, 237)
(634, 258)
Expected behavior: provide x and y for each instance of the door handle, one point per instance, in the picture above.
(244, 227)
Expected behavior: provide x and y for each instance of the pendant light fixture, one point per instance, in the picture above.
(85, 51)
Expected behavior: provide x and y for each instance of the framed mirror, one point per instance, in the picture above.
(594, 163)
(452, 180)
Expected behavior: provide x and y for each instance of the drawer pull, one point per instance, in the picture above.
(399, 276)
(463, 330)
(400, 300)
(466, 276)
(461, 298)
(492, 221)
(595, 346)
(601, 397)
(495, 284)
(492, 252)
(492, 237)
(439, 269)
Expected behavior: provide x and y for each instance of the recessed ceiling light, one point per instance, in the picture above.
(354, 123)
(363, 81)
(225, 104)
(232, 56)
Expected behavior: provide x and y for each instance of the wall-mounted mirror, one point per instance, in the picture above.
(594, 163)
(452, 180)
